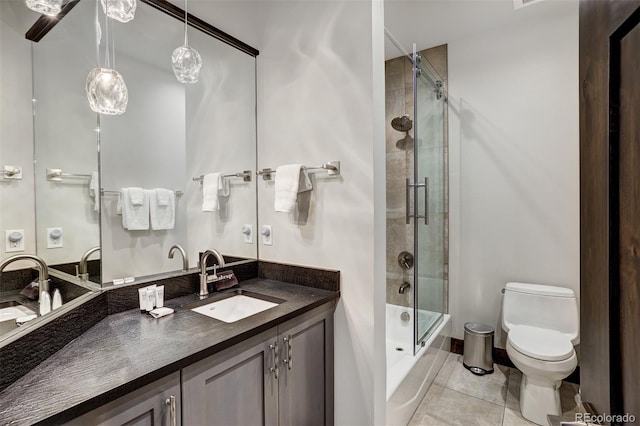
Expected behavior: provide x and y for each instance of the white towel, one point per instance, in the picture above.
(94, 190)
(137, 196)
(162, 214)
(223, 186)
(305, 182)
(135, 217)
(214, 185)
(163, 196)
(287, 186)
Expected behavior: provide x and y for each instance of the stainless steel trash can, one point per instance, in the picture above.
(478, 348)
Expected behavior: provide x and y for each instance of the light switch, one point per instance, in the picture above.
(247, 230)
(267, 235)
(54, 238)
(12, 172)
(14, 239)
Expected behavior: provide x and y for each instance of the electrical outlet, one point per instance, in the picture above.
(54, 238)
(14, 239)
(247, 230)
(267, 235)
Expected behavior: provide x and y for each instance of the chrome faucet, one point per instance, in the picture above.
(43, 271)
(405, 285)
(82, 268)
(204, 278)
(185, 259)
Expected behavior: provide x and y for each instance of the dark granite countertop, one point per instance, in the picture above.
(128, 350)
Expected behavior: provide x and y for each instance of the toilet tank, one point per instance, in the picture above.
(544, 306)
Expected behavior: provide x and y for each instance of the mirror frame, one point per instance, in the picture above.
(44, 24)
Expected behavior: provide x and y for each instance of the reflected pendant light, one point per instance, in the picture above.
(46, 7)
(120, 10)
(186, 61)
(106, 90)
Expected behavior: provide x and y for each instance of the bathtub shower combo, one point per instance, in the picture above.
(417, 324)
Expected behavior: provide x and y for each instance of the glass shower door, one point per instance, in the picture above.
(430, 193)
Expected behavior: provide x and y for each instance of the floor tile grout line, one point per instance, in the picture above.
(471, 396)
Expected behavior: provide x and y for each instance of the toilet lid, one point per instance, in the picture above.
(540, 343)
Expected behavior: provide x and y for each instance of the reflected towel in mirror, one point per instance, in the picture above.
(94, 191)
(162, 208)
(135, 217)
(214, 185)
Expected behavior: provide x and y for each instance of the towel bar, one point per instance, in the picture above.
(112, 192)
(56, 175)
(332, 168)
(245, 175)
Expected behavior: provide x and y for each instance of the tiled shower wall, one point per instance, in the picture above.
(399, 156)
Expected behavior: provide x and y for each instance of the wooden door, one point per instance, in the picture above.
(610, 204)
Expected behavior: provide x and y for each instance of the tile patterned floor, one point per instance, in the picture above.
(458, 397)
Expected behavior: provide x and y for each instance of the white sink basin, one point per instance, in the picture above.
(234, 308)
(13, 312)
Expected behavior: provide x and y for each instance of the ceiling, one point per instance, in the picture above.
(431, 23)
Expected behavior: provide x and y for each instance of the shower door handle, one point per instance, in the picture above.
(426, 200)
(408, 201)
(410, 185)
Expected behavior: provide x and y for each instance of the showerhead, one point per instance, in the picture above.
(402, 124)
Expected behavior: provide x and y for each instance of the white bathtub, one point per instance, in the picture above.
(410, 376)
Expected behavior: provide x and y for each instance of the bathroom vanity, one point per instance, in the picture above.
(275, 367)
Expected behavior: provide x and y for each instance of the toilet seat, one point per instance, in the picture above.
(540, 343)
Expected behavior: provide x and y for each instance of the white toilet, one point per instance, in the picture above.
(542, 323)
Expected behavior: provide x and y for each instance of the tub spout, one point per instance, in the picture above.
(405, 285)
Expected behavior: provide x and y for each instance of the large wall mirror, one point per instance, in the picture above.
(171, 135)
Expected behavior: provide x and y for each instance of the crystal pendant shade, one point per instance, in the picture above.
(120, 10)
(106, 91)
(47, 7)
(186, 63)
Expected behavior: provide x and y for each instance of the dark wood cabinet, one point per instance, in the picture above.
(157, 404)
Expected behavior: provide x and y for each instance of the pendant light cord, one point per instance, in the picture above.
(98, 32)
(106, 44)
(186, 19)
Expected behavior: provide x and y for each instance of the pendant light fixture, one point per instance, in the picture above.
(186, 61)
(120, 10)
(46, 7)
(106, 90)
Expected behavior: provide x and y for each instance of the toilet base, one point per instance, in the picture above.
(538, 398)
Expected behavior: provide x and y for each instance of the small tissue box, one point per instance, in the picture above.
(161, 312)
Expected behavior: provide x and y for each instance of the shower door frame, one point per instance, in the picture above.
(427, 72)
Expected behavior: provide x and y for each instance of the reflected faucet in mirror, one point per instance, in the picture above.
(43, 271)
(204, 278)
(82, 267)
(185, 259)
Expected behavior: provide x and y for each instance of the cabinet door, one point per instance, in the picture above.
(234, 387)
(306, 370)
(153, 405)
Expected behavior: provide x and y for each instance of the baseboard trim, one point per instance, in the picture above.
(500, 357)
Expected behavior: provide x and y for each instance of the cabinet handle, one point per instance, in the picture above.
(276, 360)
(171, 403)
(288, 360)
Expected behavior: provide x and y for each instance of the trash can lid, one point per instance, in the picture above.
(478, 328)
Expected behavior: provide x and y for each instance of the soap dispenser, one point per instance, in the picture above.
(45, 302)
(57, 299)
